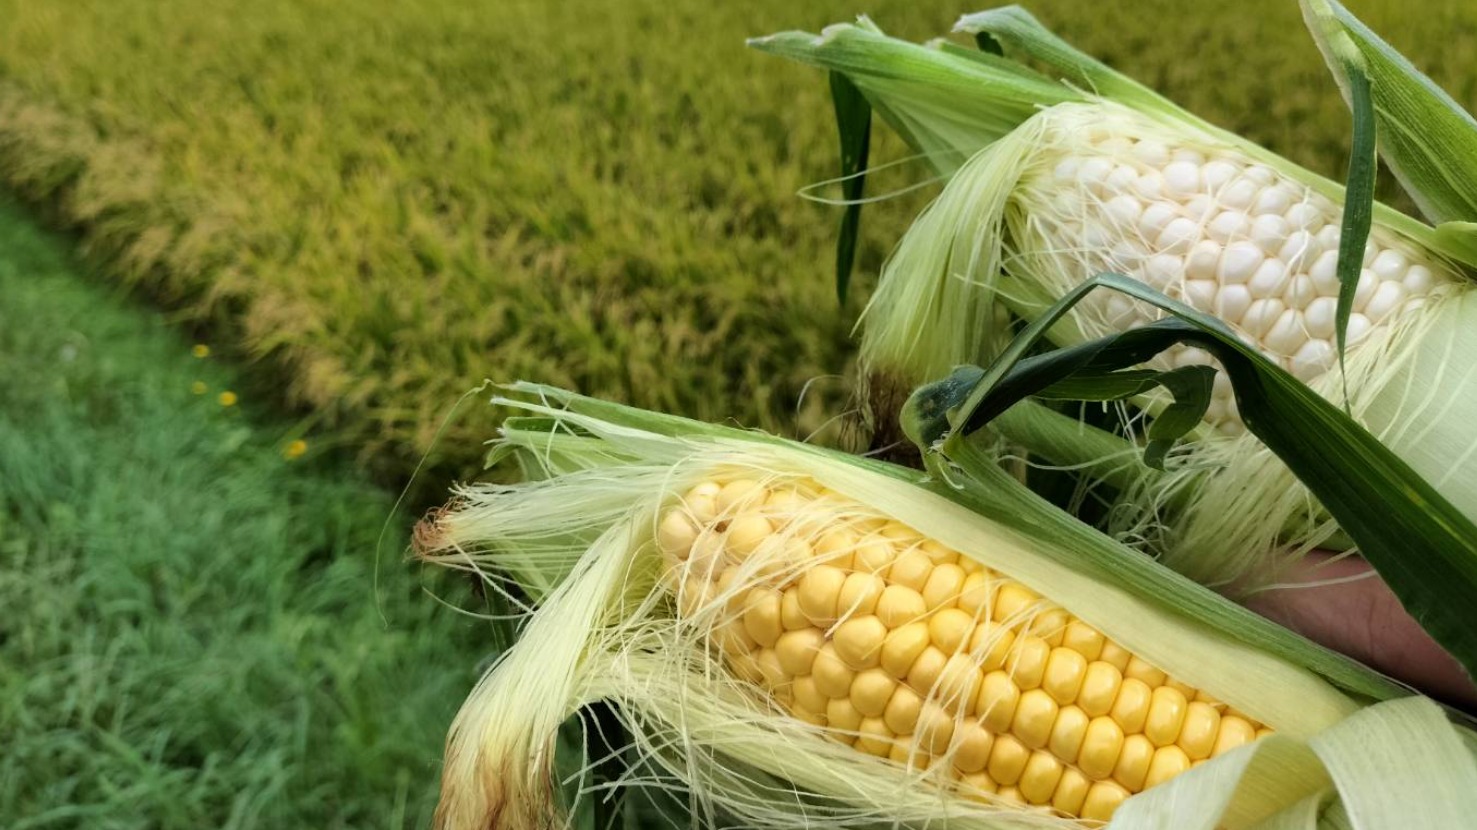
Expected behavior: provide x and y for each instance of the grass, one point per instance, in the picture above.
(193, 635)
(382, 203)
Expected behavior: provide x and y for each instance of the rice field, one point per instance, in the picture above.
(379, 204)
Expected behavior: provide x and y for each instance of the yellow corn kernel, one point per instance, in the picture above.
(1050, 625)
(926, 669)
(1065, 671)
(797, 649)
(1007, 760)
(991, 643)
(1103, 798)
(871, 692)
(1034, 715)
(1071, 791)
(974, 594)
(1234, 732)
(859, 594)
(835, 547)
(959, 684)
(873, 556)
(1140, 670)
(1012, 601)
(900, 605)
(1131, 707)
(901, 714)
(1115, 655)
(807, 695)
(1100, 748)
(938, 554)
(1197, 736)
(1133, 762)
(745, 533)
(1068, 732)
(950, 629)
(911, 570)
(997, 701)
(832, 676)
(819, 589)
(1100, 684)
(841, 715)
(1027, 661)
(904, 753)
(1040, 777)
(676, 534)
(1167, 708)
(976, 785)
(762, 616)
(1010, 795)
(874, 738)
(791, 616)
(1083, 639)
(902, 648)
(972, 743)
(858, 641)
(1168, 762)
(935, 728)
(943, 588)
(1183, 688)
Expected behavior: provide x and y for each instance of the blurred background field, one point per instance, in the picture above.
(193, 635)
(374, 205)
(386, 202)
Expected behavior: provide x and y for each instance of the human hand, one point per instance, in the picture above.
(1362, 618)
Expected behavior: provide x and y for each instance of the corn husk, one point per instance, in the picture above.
(579, 534)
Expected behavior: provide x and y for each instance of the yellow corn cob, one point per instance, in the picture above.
(787, 631)
(902, 648)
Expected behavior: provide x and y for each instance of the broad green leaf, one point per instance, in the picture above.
(1425, 137)
(1340, 462)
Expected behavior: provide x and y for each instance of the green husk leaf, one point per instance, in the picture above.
(1018, 30)
(1428, 141)
(1358, 193)
(1340, 462)
(1302, 815)
(854, 126)
(1378, 785)
(1281, 771)
(945, 104)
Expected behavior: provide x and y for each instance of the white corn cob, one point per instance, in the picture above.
(1111, 190)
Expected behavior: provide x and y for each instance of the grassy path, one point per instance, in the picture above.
(191, 633)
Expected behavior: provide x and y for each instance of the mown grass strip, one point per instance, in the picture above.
(192, 633)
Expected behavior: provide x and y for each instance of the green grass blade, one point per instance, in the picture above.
(1425, 548)
(1426, 138)
(854, 125)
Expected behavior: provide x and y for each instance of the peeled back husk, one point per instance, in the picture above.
(637, 610)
